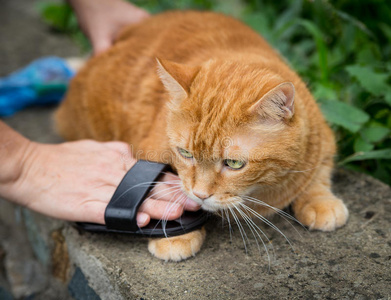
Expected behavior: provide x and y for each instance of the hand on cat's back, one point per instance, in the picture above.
(102, 20)
(74, 181)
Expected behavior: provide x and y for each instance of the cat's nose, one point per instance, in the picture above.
(201, 195)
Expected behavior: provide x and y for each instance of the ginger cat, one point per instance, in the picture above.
(208, 94)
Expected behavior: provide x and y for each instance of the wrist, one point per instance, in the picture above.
(15, 182)
(14, 150)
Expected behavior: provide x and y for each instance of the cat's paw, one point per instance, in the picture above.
(323, 214)
(177, 248)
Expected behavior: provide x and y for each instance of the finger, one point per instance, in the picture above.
(167, 192)
(158, 209)
(142, 219)
(170, 190)
(169, 185)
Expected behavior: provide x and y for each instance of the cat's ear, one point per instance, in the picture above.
(277, 104)
(177, 78)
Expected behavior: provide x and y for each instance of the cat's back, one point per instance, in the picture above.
(179, 34)
(118, 94)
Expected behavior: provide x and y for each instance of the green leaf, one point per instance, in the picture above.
(386, 30)
(368, 54)
(374, 132)
(343, 114)
(375, 154)
(360, 145)
(56, 15)
(258, 22)
(387, 96)
(383, 171)
(383, 113)
(321, 91)
(372, 81)
(320, 45)
(360, 25)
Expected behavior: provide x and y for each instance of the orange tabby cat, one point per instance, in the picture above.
(206, 92)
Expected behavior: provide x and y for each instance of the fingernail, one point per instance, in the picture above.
(142, 219)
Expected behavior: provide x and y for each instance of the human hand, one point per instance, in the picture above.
(74, 181)
(101, 20)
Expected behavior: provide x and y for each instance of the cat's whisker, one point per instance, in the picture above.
(241, 230)
(245, 217)
(266, 221)
(141, 184)
(255, 232)
(166, 213)
(172, 205)
(303, 171)
(249, 217)
(229, 224)
(137, 185)
(164, 226)
(171, 189)
(262, 218)
(280, 212)
(168, 210)
(221, 214)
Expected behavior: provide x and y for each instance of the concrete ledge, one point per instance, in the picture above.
(42, 258)
(351, 263)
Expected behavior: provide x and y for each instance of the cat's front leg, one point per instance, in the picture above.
(179, 247)
(319, 209)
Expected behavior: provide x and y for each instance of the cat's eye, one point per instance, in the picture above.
(185, 153)
(234, 164)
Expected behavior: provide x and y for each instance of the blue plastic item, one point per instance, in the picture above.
(42, 82)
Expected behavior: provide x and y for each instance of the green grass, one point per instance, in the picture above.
(341, 49)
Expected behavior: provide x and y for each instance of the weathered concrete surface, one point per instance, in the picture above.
(351, 263)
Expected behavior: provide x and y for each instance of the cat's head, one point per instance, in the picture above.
(232, 128)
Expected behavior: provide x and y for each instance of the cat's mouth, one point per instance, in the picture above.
(206, 204)
(210, 205)
(215, 203)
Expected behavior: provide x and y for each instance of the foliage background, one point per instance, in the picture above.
(341, 49)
